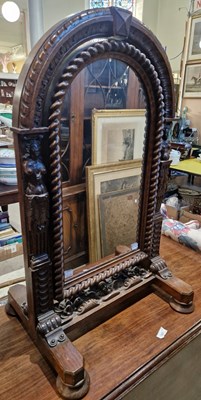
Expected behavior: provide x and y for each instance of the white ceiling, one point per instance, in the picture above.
(12, 34)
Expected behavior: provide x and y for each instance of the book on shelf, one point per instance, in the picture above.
(6, 232)
(17, 238)
(4, 217)
(4, 225)
(9, 235)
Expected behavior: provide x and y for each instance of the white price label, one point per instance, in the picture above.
(13, 248)
(161, 333)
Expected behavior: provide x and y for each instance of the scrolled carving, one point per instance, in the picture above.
(159, 267)
(74, 290)
(49, 324)
(102, 287)
(87, 306)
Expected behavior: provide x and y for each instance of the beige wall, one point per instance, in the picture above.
(56, 10)
(150, 14)
(167, 21)
(172, 19)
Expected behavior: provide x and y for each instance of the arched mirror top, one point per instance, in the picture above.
(81, 31)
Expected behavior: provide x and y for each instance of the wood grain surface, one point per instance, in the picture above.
(119, 353)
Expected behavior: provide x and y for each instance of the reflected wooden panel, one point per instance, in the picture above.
(75, 227)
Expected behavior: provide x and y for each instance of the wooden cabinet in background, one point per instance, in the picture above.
(8, 83)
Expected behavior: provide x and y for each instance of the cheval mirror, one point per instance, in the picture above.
(69, 288)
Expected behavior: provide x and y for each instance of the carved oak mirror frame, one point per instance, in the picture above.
(51, 309)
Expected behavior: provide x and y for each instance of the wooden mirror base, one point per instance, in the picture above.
(72, 380)
(54, 331)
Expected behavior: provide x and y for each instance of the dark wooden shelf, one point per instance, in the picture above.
(8, 194)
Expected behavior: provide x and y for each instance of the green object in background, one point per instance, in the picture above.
(6, 115)
(6, 118)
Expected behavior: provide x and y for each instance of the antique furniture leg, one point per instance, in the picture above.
(72, 381)
(178, 293)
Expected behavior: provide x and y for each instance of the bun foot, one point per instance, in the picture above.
(73, 392)
(10, 310)
(181, 307)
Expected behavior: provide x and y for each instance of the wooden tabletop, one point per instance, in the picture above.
(118, 353)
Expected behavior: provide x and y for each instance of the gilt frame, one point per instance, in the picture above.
(109, 128)
(96, 175)
(194, 49)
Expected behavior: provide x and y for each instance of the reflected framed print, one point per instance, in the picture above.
(104, 179)
(117, 135)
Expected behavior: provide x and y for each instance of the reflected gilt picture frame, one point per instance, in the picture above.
(194, 50)
(117, 209)
(102, 179)
(117, 135)
(192, 81)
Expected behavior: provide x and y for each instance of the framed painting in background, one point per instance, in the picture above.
(192, 82)
(117, 135)
(102, 179)
(194, 51)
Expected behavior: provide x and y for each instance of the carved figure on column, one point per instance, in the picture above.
(37, 202)
(34, 169)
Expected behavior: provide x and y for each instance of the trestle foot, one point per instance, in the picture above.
(10, 310)
(73, 392)
(181, 307)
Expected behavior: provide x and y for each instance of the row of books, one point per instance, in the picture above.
(8, 175)
(8, 235)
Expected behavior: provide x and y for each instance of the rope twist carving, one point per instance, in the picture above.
(85, 284)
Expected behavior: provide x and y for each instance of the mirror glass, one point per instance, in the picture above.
(107, 84)
(104, 109)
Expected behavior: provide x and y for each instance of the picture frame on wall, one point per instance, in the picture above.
(117, 135)
(192, 82)
(194, 51)
(104, 179)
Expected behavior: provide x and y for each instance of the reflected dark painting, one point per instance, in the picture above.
(128, 143)
(196, 49)
(128, 182)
